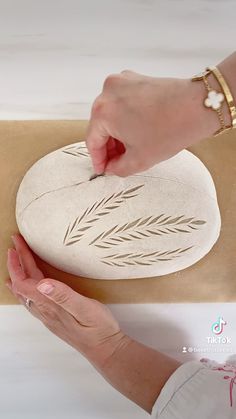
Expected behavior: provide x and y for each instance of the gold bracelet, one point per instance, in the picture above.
(213, 100)
(227, 93)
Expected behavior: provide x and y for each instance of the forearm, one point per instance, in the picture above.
(137, 371)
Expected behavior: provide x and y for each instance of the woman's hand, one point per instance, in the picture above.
(83, 323)
(135, 370)
(138, 121)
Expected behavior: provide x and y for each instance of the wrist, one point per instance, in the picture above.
(103, 354)
(137, 371)
(191, 120)
(204, 122)
(227, 68)
(207, 119)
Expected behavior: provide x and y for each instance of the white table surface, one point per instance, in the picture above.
(54, 57)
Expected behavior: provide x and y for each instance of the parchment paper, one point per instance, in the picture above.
(213, 279)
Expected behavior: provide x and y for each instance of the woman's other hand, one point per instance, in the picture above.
(83, 323)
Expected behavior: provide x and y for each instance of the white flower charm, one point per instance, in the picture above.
(214, 100)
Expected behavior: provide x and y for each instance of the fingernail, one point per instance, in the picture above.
(13, 238)
(45, 288)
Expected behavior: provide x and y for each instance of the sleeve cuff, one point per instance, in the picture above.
(177, 380)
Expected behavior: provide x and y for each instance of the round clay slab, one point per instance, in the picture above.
(149, 224)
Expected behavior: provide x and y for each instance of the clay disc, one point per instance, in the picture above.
(154, 223)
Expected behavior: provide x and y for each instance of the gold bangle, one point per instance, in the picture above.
(213, 100)
(227, 93)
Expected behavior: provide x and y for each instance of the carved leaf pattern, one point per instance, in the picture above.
(144, 259)
(84, 222)
(77, 151)
(146, 227)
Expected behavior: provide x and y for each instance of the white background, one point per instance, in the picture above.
(54, 56)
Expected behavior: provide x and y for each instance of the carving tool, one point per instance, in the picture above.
(95, 175)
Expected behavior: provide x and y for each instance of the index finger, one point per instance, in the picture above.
(26, 258)
(14, 267)
(96, 141)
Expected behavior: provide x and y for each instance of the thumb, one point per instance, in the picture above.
(74, 303)
(123, 165)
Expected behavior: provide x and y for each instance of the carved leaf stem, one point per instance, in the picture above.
(146, 227)
(77, 151)
(145, 259)
(77, 228)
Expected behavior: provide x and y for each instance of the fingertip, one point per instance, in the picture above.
(10, 260)
(99, 169)
(8, 284)
(13, 260)
(11, 252)
(15, 237)
(19, 241)
(14, 266)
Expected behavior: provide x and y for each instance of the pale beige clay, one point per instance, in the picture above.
(153, 223)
